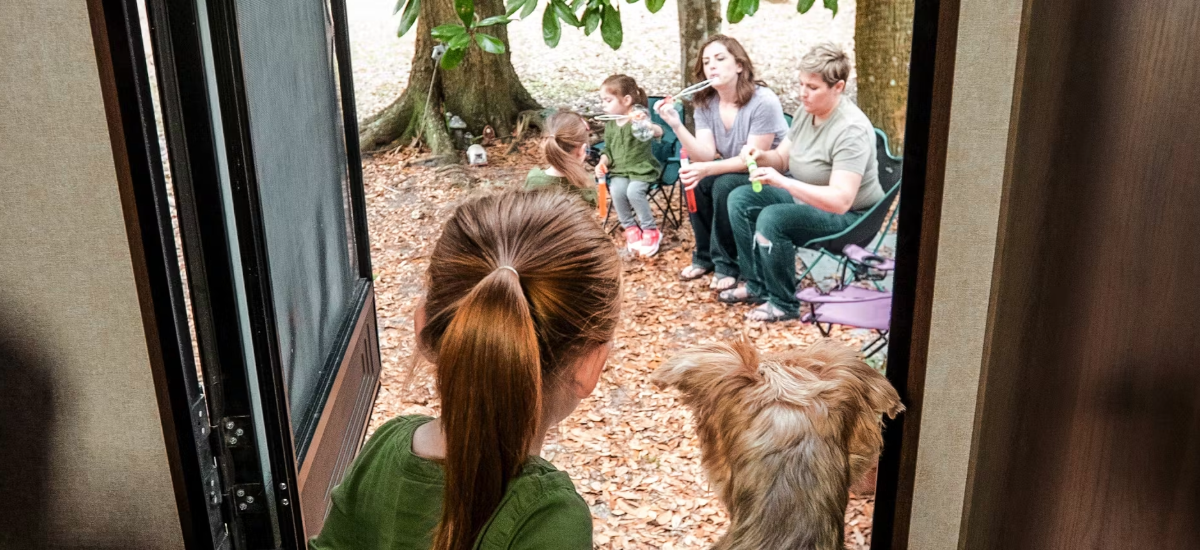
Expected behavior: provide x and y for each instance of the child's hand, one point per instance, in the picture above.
(601, 168)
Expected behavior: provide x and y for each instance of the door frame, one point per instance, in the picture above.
(927, 127)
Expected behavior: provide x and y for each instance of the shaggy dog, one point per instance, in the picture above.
(783, 438)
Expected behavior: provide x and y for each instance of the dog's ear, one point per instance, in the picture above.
(697, 369)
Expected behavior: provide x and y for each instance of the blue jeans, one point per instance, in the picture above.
(767, 227)
(715, 248)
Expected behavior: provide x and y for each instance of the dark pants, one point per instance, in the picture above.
(715, 246)
(767, 228)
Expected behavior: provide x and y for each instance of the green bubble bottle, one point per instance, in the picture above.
(751, 166)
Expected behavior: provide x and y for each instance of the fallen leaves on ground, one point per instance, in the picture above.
(630, 448)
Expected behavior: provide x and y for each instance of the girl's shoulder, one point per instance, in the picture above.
(541, 509)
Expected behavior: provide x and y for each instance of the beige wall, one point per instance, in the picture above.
(981, 109)
(81, 415)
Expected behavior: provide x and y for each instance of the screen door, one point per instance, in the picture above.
(258, 106)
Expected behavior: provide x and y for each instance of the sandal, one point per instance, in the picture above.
(738, 295)
(722, 282)
(693, 272)
(768, 313)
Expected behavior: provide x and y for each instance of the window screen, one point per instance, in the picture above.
(300, 163)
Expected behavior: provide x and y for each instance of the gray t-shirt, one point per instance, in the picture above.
(760, 116)
(844, 142)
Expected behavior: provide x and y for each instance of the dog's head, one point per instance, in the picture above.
(796, 426)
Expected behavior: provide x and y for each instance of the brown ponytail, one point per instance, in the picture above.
(500, 339)
(564, 133)
(622, 85)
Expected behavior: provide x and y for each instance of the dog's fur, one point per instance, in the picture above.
(782, 439)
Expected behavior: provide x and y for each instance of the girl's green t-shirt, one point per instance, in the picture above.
(628, 157)
(392, 499)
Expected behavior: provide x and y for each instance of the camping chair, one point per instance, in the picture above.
(666, 150)
(853, 306)
(868, 227)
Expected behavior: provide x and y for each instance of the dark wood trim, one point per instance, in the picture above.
(935, 37)
(125, 86)
(344, 417)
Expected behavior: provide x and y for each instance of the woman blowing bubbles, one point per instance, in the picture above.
(523, 297)
(738, 110)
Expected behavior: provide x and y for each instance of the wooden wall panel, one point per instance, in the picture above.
(1088, 430)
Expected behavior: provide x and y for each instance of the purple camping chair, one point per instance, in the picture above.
(854, 306)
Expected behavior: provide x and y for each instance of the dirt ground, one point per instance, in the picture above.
(630, 448)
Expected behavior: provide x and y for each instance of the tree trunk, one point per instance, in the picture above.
(698, 20)
(482, 90)
(883, 46)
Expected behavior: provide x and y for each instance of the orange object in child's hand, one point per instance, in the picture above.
(602, 199)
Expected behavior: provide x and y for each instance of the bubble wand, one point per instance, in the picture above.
(691, 90)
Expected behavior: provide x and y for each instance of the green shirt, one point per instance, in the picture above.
(391, 499)
(539, 178)
(628, 157)
(846, 141)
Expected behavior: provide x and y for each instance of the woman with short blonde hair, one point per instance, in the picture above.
(832, 181)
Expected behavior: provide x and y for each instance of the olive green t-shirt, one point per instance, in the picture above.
(539, 178)
(391, 499)
(846, 141)
(628, 157)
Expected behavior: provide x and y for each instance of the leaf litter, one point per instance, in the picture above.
(630, 448)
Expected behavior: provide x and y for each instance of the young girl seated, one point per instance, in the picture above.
(629, 162)
(523, 297)
(564, 148)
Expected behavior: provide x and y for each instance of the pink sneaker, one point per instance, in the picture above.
(649, 245)
(633, 238)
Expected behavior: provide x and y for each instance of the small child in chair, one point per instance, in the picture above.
(628, 160)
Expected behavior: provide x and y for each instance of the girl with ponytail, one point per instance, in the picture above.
(523, 298)
(564, 148)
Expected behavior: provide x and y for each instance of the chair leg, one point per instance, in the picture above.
(879, 344)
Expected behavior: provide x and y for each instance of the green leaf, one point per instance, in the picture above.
(493, 20)
(453, 57)
(832, 5)
(564, 12)
(448, 31)
(655, 5)
(576, 4)
(465, 10)
(551, 31)
(459, 42)
(411, 10)
(513, 7)
(530, 5)
(591, 20)
(610, 27)
(804, 5)
(749, 7)
(489, 43)
(399, 4)
(733, 12)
